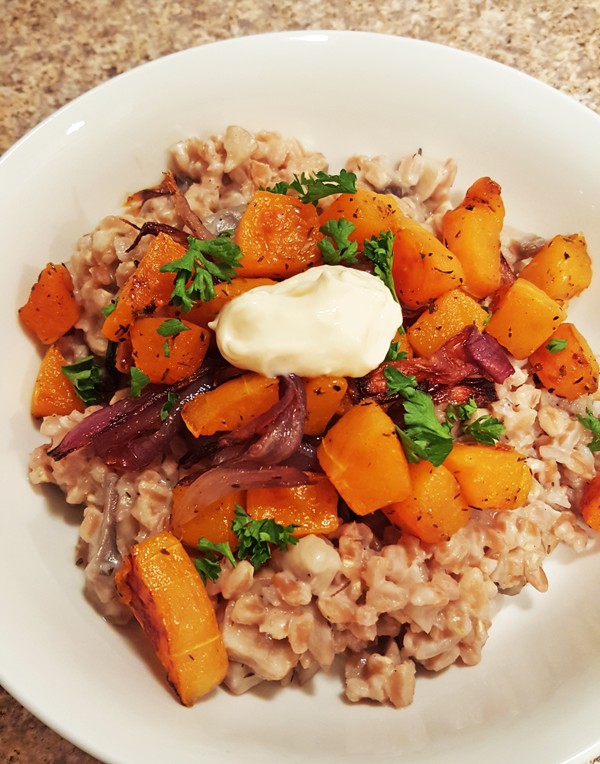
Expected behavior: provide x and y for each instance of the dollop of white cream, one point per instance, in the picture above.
(327, 320)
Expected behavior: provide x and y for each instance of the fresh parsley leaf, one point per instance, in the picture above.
(461, 412)
(256, 536)
(139, 380)
(110, 307)
(84, 375)
(171, 327)
(425, 437)
(194, 273)
(344, 249)
(380, 251)
(412, 452)
(311, 188)
(168, 405)
(591, 423)
(556, 346)
(394, 354)
(487, 429)
(209, 566)
(397, 382)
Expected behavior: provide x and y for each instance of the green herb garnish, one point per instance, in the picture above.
(380, 251)
(487, 429)
(84, 375)
(486, 320)
(194, 273)
(344, 249)
(256, 536)
(423, 435)
(311, 188)
(556, 346)
(171, 327)
(139, 380)
(110, 307)
(461, 412)
(168, 405)
(591, 423)
(209, 566)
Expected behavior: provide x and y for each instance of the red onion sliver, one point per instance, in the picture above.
(218, 482)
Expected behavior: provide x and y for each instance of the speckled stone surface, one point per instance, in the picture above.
(53, 50)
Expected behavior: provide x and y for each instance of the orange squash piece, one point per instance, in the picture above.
(568, 373)
(423, 269)
(524, 318)
(436, 507)
(53, 393)
(212, 521)
(491, 477)
(362, 457)
(147, 289)
(371, 213)
(446, 317)
(204, 312)
(563, 268)
(161, 585)
(278, 236)
(324, 395)
(472, 233)
(184, 355)
(51, 309)
(231, 405)
(313, 507)
(589, 505)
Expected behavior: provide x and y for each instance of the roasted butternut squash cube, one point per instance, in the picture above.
(53, 393)
(231, 405)
(490, 477)
(589, 505)
(278, 236)
(370, 212)
(472, 233)
(51, 309)
(312, 507)
(324, 395)
(563, 268)
(147, 289)
(161, 585)
(446, 317)
(362, 457)
(212, 521)
(423, 269)
(167, 360)
(567, 373)
(435, 508)
(524, 318)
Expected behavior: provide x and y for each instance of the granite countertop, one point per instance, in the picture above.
(53, 51)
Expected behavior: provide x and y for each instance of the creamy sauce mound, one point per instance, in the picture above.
(328, 320)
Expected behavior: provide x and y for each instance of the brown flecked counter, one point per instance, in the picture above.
(51, 52)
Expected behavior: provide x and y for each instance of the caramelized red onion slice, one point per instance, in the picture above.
(151, 228)
(467, 355)
(487, 353)
(183, 209)
(126, 419)
(218, 482)
(141, 411)
(285, 423)
(137, 454)
(243, 462)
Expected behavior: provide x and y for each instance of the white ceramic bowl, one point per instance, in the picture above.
(535, 697)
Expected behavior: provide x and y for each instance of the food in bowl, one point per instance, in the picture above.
(267, 487)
